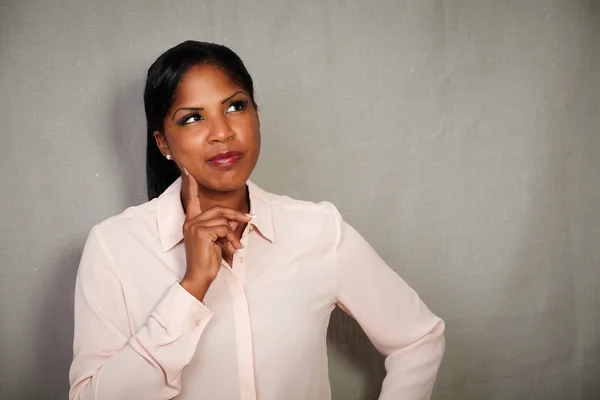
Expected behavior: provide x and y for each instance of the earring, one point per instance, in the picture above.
(169, 157)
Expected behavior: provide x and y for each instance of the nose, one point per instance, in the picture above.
(220, 130)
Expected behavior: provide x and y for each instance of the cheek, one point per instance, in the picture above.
(249, 131)
(256, 137)
(188, 141)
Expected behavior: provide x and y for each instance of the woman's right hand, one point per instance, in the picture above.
(206, 234)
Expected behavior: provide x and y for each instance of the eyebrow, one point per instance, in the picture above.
(202, 109)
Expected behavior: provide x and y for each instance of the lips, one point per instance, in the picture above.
(227, 159)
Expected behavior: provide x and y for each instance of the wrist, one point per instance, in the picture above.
(196, 287)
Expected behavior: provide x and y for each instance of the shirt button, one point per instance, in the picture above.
(240, 259)
(251, 229)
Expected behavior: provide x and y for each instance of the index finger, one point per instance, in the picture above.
(226, 212)
(192, 201)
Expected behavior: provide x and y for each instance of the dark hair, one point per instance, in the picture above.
(163, 78)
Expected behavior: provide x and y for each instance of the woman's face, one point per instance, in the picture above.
(212, 129)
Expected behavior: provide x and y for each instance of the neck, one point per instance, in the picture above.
(236, 199)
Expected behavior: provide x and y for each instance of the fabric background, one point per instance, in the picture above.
(461, 138)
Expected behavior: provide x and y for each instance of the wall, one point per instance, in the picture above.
(461, 138)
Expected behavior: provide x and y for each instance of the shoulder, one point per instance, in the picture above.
(301, 219)
(134, 223)
(302, 209)
(111, 241)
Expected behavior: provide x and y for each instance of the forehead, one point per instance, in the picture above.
(204, 84)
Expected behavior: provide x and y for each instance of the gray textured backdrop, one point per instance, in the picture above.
(461, 138)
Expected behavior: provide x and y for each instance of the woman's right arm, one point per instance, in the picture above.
(110, 360)
(113, 362)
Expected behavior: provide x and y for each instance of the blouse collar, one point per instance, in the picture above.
(170, 215)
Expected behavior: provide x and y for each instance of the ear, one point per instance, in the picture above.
(161, 142)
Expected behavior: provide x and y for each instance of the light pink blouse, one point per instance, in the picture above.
(260, 331)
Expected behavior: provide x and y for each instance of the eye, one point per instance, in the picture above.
(190, 119)
(237, 105)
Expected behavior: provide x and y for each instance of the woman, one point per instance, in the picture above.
(216, 289)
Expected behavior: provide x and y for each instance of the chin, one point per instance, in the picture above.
(228, 182)
(230, 179)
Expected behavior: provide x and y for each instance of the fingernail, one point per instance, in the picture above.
(253, 216)
(185, 171)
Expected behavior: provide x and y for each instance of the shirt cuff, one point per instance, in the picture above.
(180, 311)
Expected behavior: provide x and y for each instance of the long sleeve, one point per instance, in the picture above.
(110, 361)
(397, 322)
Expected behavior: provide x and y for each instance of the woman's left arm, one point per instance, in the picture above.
(395, 319)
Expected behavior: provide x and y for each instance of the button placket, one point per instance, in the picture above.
(243, 330)
(240, 256)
